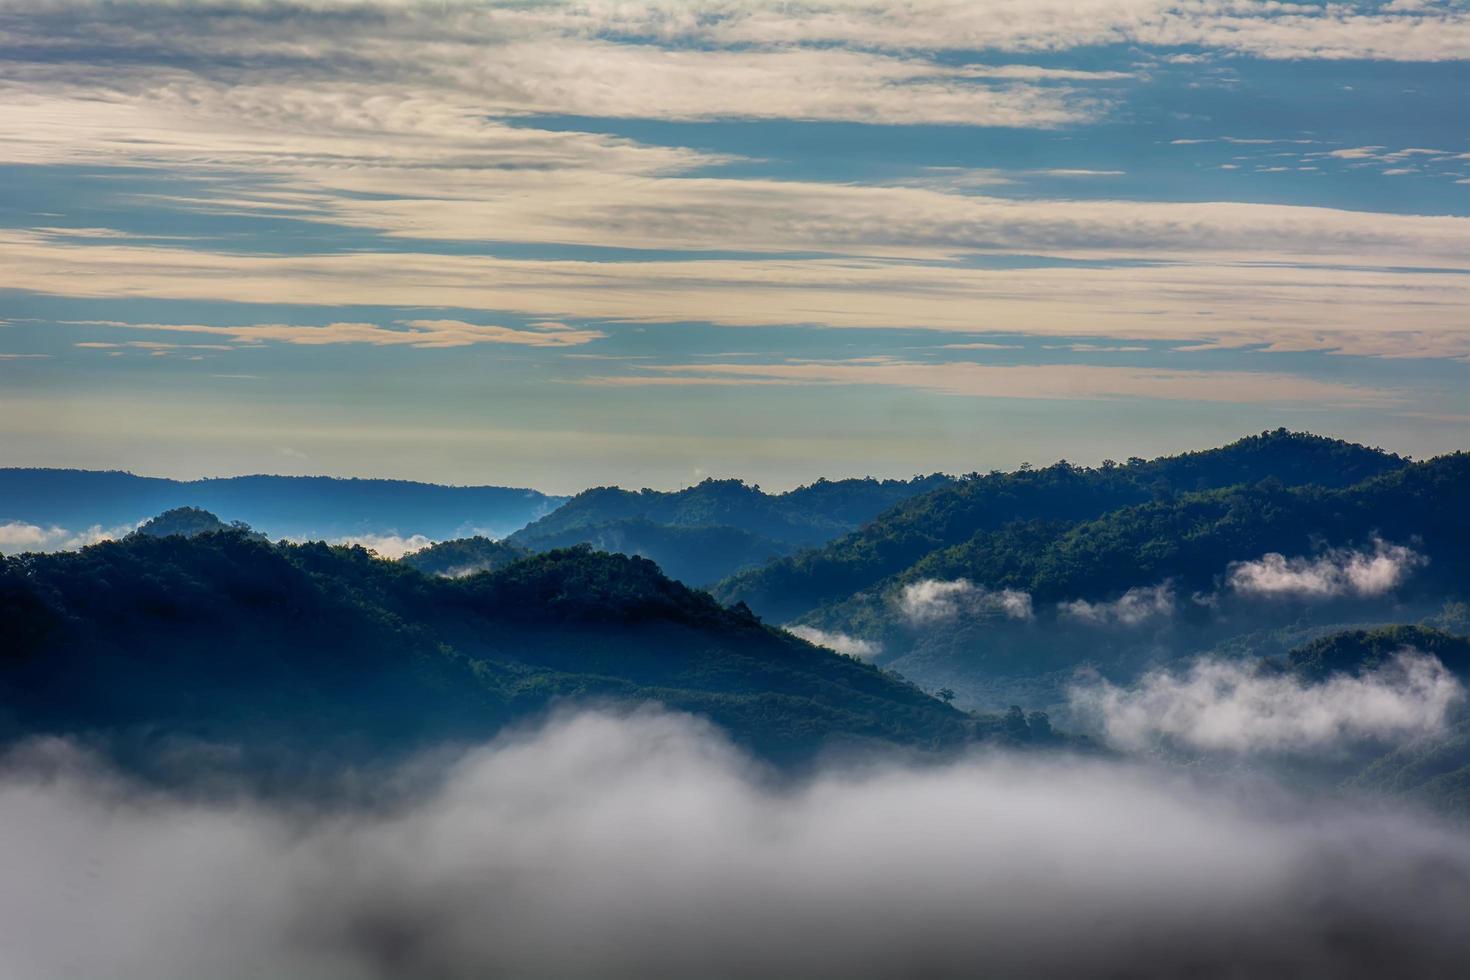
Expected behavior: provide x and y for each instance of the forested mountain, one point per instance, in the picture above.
(459, 557)
(280, 506)
(222, 638)
(705, 532)
(1355, 651)
(954, 514)
(1009, 615)
(188, 522)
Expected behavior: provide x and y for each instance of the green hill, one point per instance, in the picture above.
(955, 514)
(706, 532)
(226, 639)
(464, 556)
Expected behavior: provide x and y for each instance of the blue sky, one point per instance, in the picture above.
(642, 243)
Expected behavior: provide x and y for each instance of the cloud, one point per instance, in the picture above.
(1025, 381)
(1228, 706)
(842, 643)
(644, 846)
(935, 601)
(1136, 606)
(1219, 305)
(422, 334)
(392, 546)
(1338, 572)
(17, 536)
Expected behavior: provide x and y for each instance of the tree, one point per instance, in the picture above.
(945, 694)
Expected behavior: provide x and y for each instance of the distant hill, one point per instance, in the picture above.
(152, 643)
(1148, 583)
(188, 522)
(1355, 651)
(952, 515)
(1434, 770)
(279, 506)
(459, 557)
(706, 532)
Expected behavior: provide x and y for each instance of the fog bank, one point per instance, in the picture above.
(643, 846)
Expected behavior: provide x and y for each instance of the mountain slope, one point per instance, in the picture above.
(224, 639)
(281, 506)
(706, 532)
(464, 556)
(954, 514)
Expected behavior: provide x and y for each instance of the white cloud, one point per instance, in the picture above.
(1025, 381)
(646, 847)
(1338, 572)
(1136, 606)
(1229, 706)
(423, 334)
(840, 642)
(391, 546)
(935, 601)
(17, 536)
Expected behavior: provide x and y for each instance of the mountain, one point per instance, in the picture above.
(956, 513)
(706, 532)
(695, 555)
(1007, 616)
(1434, 770)
(1353, 652)
(459, 557)
(236, 648)
(187, 522)
(280, 506)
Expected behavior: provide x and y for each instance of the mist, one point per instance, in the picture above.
(1220, 705)
(853, 646)
(1338, 572)
(643, 845)
(936, 601)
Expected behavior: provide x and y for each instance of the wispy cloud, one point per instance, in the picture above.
(1133, 608)
(1061, 382)
(1230, 706)
(840, 642)
(424, 334)
(1338, 572)
(937, 601)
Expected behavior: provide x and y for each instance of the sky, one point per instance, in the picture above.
(643, 243)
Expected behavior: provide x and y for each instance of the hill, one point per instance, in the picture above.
(1434, 770)
(1355, 651)
(1007, 616)
(280, 506)
(954, 514)
(459, 557)
(188, 522)
(151, 645)
(706, 532)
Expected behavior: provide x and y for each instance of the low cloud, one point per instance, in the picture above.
(936, 601)
(1134, 607)
(1339, 572)
(645, 846)
(16, 537)
(840, 642)
(393, 546)
(1225, 706)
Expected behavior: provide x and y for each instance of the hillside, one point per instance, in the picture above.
(706, 532)
(280, 506)
(223, 639)
(1435, 770)
(1177, 576)
(464, 556)
(955, 514)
